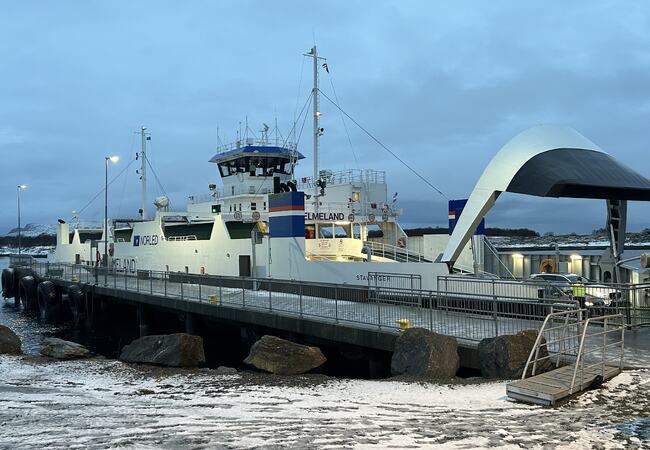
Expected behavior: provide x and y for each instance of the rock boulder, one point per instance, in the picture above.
(506, 356)
(175, 350)
(283, 357)
(423, 353)
(60, 349)
(9, 342)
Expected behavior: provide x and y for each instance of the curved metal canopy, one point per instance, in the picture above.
(546, 161)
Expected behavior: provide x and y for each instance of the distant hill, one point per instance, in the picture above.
(33, 230)
(31, 235)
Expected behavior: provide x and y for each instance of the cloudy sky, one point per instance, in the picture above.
(443, 84)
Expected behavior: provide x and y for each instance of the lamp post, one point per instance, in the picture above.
(18, 189)
(113, 159)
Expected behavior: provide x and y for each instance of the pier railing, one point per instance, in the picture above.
(468, 317)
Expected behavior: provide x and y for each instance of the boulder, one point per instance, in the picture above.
(60, 349)
(175, 350)
(505, 356)
(424, 354)
(283, 357)
(9, 342)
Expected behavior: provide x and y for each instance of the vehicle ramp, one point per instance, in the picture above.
(571, 354)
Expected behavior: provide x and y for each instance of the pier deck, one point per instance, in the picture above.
(548, 388)
(342, 313)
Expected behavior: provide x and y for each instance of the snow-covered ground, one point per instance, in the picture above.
(103, 403)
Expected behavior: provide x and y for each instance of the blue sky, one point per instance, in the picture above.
(443, 84)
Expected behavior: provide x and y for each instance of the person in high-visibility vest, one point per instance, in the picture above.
(578, 290)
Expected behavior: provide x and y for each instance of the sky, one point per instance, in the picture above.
(442, 84)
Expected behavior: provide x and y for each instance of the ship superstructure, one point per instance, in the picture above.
(228, 230)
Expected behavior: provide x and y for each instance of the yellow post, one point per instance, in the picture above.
(213, 299)
(404, 324)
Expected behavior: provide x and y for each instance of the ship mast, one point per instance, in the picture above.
(313, 53)
(143, 173)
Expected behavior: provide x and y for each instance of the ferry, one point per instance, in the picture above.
(263, 222)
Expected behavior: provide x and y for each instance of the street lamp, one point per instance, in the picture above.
(18, 189)
(114, 160)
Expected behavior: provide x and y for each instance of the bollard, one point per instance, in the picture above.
(404, 324)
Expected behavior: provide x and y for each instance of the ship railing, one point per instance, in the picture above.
(396, 253)
(292, 146)
(345, 177)
(189, 237)
(386, 306)
(205, 198)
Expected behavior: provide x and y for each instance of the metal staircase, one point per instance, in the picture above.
(571, 354)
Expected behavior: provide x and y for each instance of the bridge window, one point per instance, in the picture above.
(325, 231)
(310, 231)
(341, 231)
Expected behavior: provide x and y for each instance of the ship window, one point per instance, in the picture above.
(232, 190)
(374, 231)
(341, 231)
(240, 206)
(356, 231)
(310, 231)
(324, 231)
(264, 206)
(253, 206)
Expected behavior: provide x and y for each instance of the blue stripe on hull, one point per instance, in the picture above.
(287, 226)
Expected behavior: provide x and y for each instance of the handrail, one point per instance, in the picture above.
(388, 249)
(189, 237)
(580, 358)
(540, 335)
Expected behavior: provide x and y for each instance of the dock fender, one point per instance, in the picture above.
(27, 292)
(8, 278)
(77, 300)
(49, 301)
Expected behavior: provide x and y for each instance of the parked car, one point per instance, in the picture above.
(589, 294)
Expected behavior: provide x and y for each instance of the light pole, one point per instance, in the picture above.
(18, 189)
(113, 159)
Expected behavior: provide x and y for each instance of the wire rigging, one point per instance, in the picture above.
(416, 173)
(103, 189)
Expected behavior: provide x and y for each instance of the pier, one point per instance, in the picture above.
(365, 319)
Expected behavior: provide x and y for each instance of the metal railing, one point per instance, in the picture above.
(632, 301)
(469, 317)
(400, 254)
(591, 345)
(290, 146)
(345, 177)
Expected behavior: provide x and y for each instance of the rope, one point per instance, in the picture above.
(416, 173)
(102, 191)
